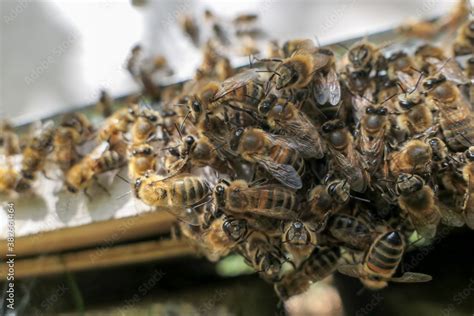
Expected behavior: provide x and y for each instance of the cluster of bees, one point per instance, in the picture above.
(301, 162)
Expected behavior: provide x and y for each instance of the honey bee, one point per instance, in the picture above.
(463, 44)
(380, 263)
(468, 175)
(297, 71)
(81, 175)
(190, 28)
(284, 117)
(319, 265)
(217, 235)
(245, 18)
(35, 152)
(80, 124)
(414, 157)
(142, 160)
(9, 141)
(243, 88)
(320, 202)
(266, 200)
(360, 60)
(346, 159)
(178, 194)
(198, 152)
(260, 253)
(418, 200)
(144, 127)
(455, 116)
(105, 104)
(415, 116)
(12, 183)
(350, 231)
(374, 128)
(326, 86)
(402, 66)
(115, 127)
(271, 152)
(432, 59)
(299, 238)
(65, 154)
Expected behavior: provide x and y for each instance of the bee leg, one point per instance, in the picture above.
(175, 232)
(89, 197)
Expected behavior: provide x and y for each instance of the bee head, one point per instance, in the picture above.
(236, 229)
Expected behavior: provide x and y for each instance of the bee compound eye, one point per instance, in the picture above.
(327, 128)
(196, 106)
(370, 110)
(189, 140)
(382, 111)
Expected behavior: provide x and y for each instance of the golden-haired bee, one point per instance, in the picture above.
(9, 141)
(144, 127)
(418, 200)
(243, 88)
(464, 43)
(319, 265)
(274, 153)
(81, 175)
(414, 116)
(178, 194)
(299, 238)
(346, 160)
(414, 157)
(455, 116)
(373, 130)
(266, 200)
(12, 183)
(380, 263)
(263, 255)
(35, 152)
(350, 231)
(297, 71)
(285, 118)
(142, 160)
(217, 235)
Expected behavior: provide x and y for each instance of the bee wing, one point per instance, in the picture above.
(351, 270)
(98, 151)
(409, 82)
(450, 69)
(321, 93)
(334, 87)
(359, 103)
(285, 174)
(352, 170)
(450, 217)
(412, 277)
(235, 82)
(304, 138)
(188, 216)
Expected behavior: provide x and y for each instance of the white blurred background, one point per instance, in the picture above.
(57, 54)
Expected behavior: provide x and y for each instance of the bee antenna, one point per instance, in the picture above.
(178, 130)
(360, 199)
(184, 121)
(389, 98)
(422, 74)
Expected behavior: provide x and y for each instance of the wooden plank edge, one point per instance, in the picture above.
(98, 258)
(108, 232)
